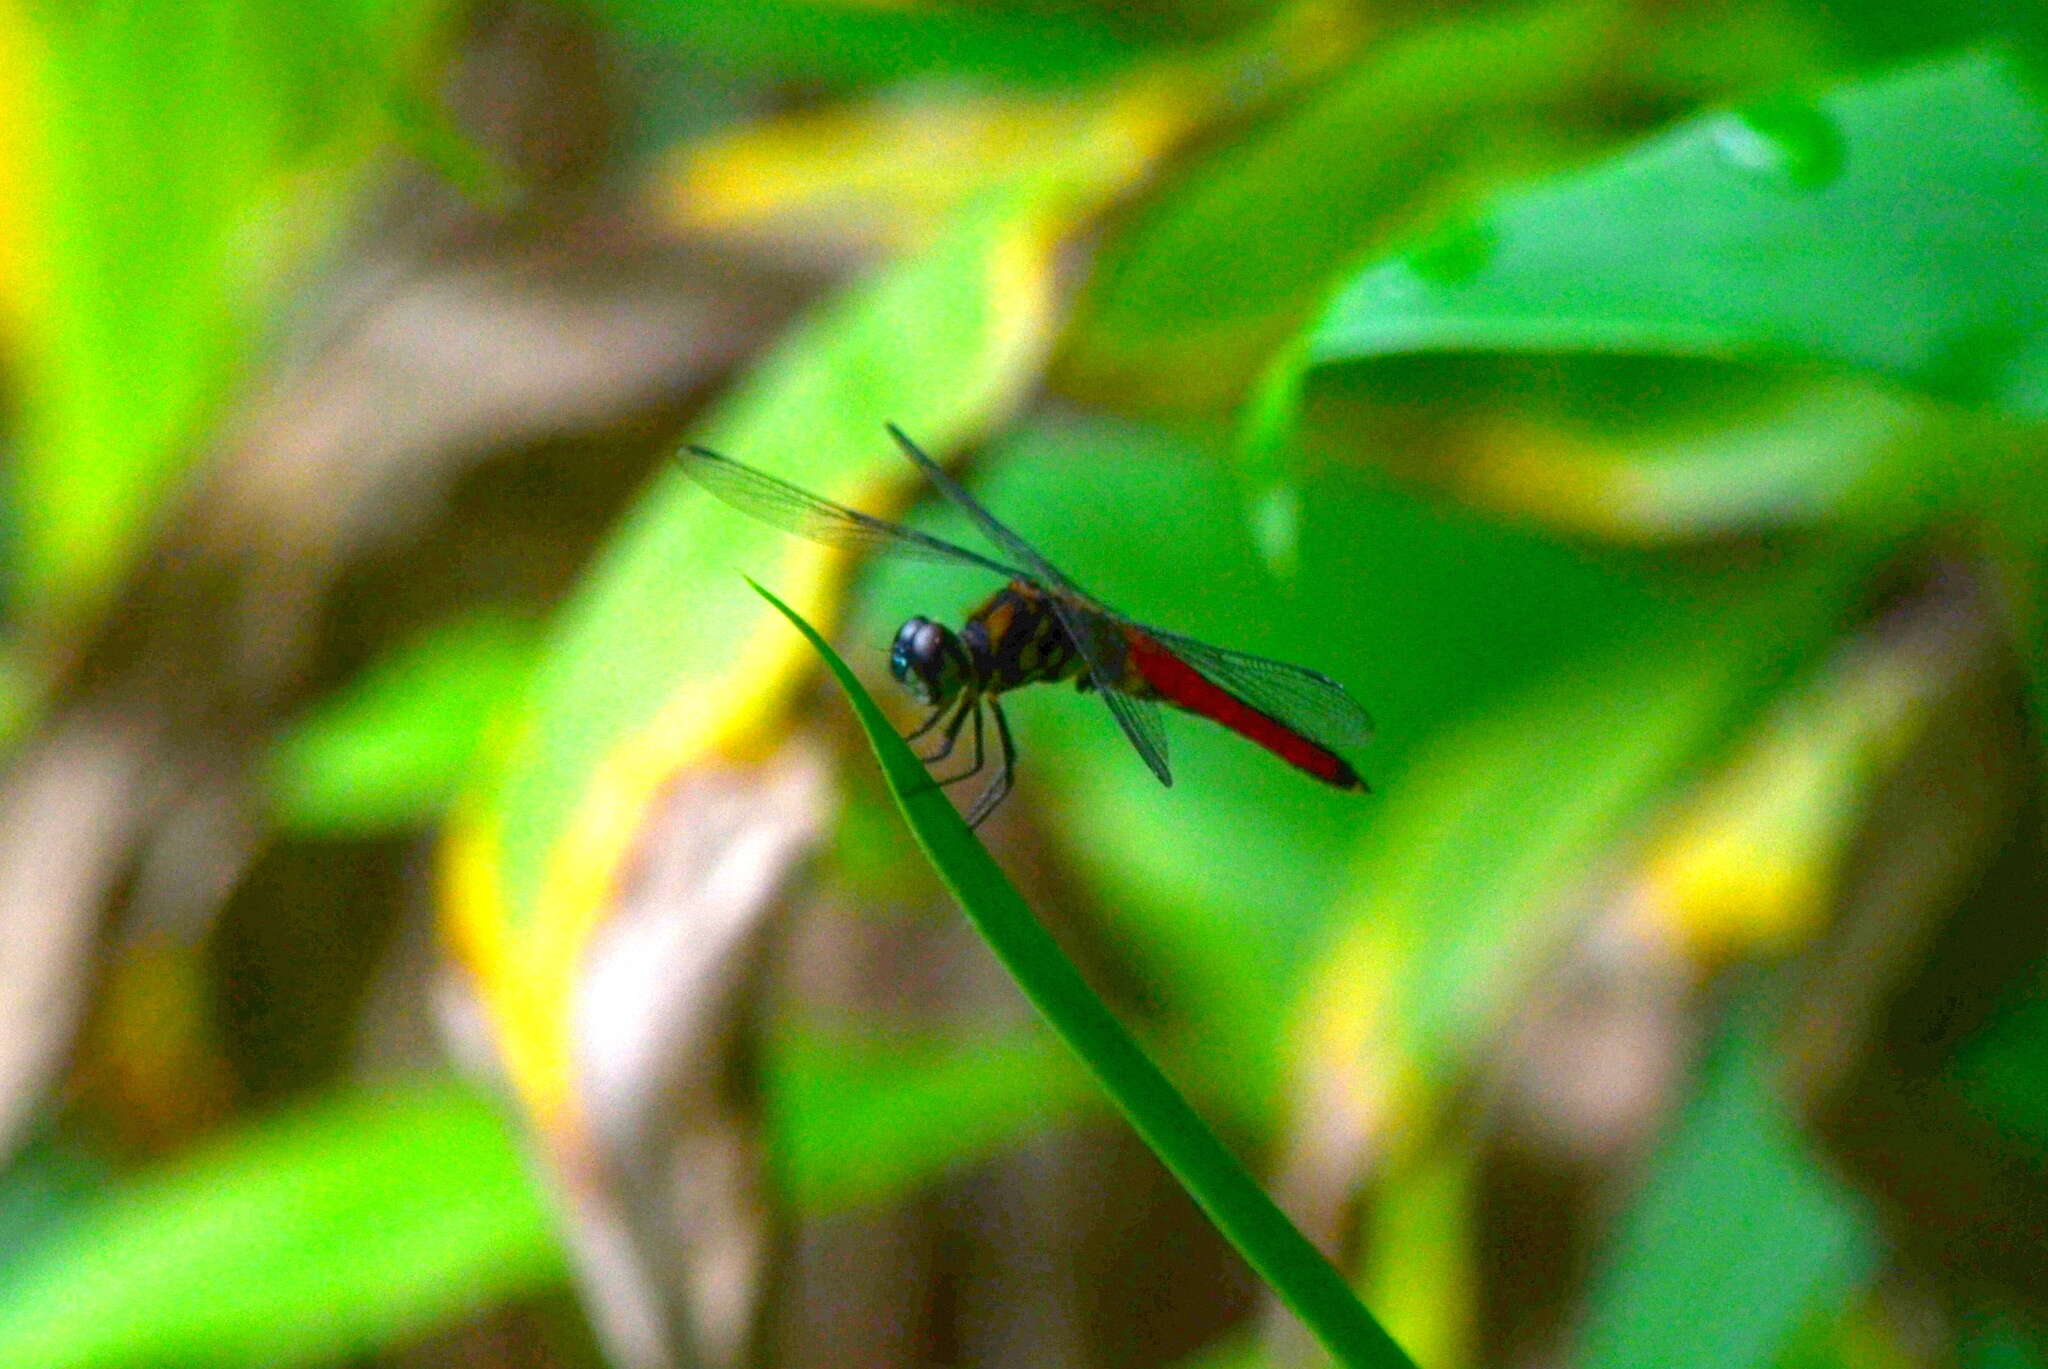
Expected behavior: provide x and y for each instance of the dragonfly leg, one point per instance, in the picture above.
(928, 724)
(999, 788)
(975, 768)
(949, 736)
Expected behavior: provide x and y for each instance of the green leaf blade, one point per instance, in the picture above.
(1739, 1233)
(1849, 230)
(386, 751)
(351, 1223)
(1297, 1271)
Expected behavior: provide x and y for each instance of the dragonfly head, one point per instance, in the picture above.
(928, 660)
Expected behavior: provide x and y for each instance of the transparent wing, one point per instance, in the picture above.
(1009, 543)
(805, 514)
(1311, 703)
(1086, 621)
(1141, 722)
(1101, 644)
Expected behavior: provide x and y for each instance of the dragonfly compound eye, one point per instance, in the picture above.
(924, 660)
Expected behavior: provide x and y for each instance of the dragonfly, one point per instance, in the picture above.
(1043, 628)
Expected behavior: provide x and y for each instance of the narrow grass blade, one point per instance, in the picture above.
(1297, 1271)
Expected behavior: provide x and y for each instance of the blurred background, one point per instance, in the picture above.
(445, 919)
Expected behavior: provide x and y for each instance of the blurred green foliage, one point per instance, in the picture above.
(1595, 388)
(1736, 1216)
(1848, 229)
(849, 44)
(305, 1238)
(861, 1117)
(388, 752)
(174, 165)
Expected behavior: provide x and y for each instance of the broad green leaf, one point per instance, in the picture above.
(864, 1119)
(1185, 300)
(389, 749)
(348, 1224)
(1848, 229)
(1302, 1277)
(172, 163)
(659, 661)
(856, 40)
(1738, 1235)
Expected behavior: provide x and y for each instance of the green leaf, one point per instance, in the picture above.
(1295, 1269)
(1849, 230)
(176, 161)
(861, 1119)
(1189, 296)
(389, 749)
(352, 1223)
(852, 40)
(1737, 1236)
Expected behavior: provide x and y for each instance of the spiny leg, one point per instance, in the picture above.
(999, 787)
(929, 723)
(951, 734)
(975, 768)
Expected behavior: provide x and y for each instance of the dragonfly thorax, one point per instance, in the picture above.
(928, 660)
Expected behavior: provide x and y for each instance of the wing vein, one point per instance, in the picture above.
(820, 520)
(1308, 701)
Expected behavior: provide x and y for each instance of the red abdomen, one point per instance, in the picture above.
(1181, 685)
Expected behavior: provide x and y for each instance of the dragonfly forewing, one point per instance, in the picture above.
(993, 528)
(820, 520)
